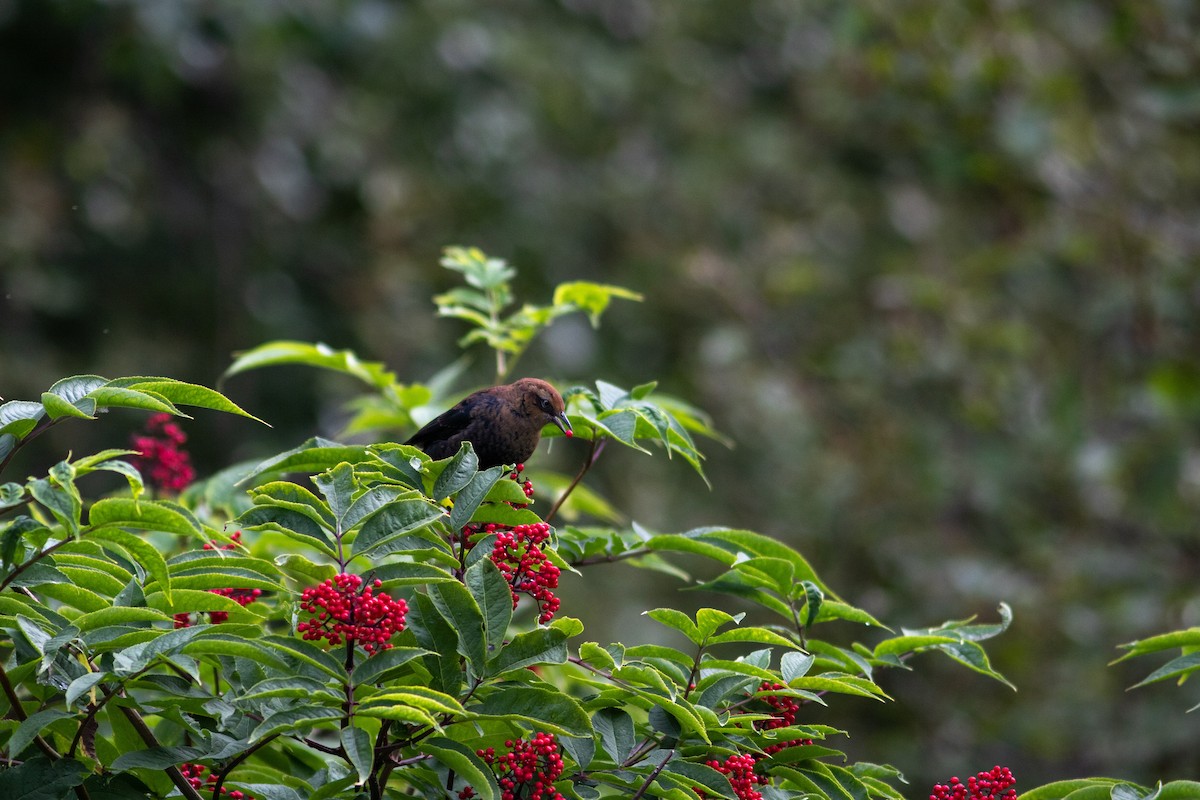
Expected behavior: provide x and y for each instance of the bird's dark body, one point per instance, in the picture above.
(503, 423)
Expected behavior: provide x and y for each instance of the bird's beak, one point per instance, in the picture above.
(564, 424)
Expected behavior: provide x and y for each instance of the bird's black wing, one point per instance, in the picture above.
(443, 427)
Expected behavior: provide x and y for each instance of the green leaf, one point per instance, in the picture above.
(118, 615)
(677, 620)
(472, 495)
(754, 635)
(304, 570)
(141, 514)
(709, 620)
(399, 518)
(39, 778)
(456, 605)
(591, 298)
(57, 408)
(292, 496)
(549, 710)
(493, 596)
(1062, 789)
(457, 473)
(795, 665)
(314, 355)
(359, 750)
(1179, 667)
(83, 685)
(385, 664)
(1164, 641)
(115, 397)
(337, 487)
(294, 719)
(538, 646)
(295, 525)
(184, 394)
(62, 501)
(973, 656)
(19, 417)
(429, 700)
(31, 727)
(140, 551)
(314, 455)
(813, 599)
(614, 728)
(436, 635)
(899, 645)
(462, 761)
(700, 776)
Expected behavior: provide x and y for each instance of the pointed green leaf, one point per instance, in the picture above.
(457, 473)
(141, 514)
(463, 761)
(493, 595)
(140, 551)
(360, 750)
(184, 394)
(456, 605)
(399, 518)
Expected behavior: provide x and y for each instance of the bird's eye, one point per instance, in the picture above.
(544, 403)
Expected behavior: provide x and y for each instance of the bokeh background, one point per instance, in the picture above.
(932, 266)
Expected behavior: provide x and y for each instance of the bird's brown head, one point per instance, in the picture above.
(540, 401)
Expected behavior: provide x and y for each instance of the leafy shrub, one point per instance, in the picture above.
(359, 620)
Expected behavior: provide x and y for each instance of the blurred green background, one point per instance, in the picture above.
(932, 266)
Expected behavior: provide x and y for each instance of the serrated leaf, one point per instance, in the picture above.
(141, 514)
(399, 518)
(140, 551)
(457, 473)
(677, 620)
(184, 394)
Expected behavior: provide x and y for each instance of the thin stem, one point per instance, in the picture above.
(4, 584)
(597, 447)
(38, 429)
(238, 759)
(650, 778)
(147, 736)
(18, 711)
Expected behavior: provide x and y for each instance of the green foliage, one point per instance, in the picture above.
(134, 656)
(1179, 668)
(488, 293)
(372, 636)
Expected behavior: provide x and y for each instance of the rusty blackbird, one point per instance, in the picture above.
(503, 423)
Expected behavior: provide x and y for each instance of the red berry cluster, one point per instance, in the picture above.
(739, 769)
(518, 554)
(235, 542)
(165, 466)
(995, 784)
(346, 611)
(526, 486)
(527, 771)
(784, 716)
(193, 773)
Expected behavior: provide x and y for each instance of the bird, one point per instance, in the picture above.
(502, 423)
